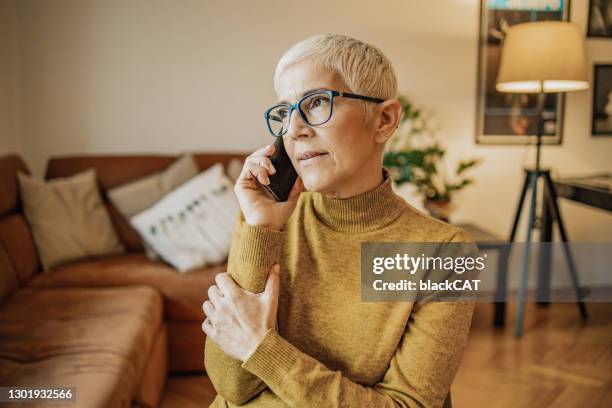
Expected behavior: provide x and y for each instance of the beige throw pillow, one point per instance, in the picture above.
(138, 195)
(234, 168)
(68, 219)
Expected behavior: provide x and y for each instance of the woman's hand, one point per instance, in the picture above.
(258, 207)
(236, 319)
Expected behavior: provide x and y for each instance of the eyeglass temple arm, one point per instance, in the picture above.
(355, 96)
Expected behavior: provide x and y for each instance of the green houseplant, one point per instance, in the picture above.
(414, 156)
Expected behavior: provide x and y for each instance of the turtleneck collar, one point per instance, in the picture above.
(368, 211)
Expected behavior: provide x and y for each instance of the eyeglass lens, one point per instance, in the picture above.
(317, 109)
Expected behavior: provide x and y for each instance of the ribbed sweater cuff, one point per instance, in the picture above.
(260, 246)
(272, 359)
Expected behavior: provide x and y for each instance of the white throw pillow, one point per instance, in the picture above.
(192, 226)
(135, 196)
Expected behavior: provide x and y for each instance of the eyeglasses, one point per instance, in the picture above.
(315, 109)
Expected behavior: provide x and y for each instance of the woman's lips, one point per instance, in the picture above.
(307, 154)
(313, 159)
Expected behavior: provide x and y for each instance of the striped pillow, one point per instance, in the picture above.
(192, 225)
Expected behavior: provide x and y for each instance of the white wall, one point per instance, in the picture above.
(9, 117)
(118, 76)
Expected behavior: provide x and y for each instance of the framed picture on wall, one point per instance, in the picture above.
(504, 118)
(601, 123)
(600, 18)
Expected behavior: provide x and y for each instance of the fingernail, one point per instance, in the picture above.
(277, 268)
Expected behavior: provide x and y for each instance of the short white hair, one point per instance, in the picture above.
(363, 67)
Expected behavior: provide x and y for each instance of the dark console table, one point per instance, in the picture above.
(594, 191)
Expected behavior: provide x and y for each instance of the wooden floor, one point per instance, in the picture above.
(558, 362)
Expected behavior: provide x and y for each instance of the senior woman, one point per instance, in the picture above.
(299, 335)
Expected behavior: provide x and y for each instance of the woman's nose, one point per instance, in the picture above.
(298, 128)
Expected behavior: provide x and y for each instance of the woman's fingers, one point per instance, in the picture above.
(263, 161)
(207, 327)
(256, 172)
(260, 167)
(263, 151)
(267, 163)
(208, 308)
(250, 171)
(214, 294)
(260, 173)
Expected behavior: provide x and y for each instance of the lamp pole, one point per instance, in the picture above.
(533, 185)
(540, 124)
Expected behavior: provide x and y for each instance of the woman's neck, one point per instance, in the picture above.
(368, 178)
(370, 210)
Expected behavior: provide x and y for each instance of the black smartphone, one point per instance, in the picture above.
(282, 181)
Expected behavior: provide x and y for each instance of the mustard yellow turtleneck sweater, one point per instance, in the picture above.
(332, 349)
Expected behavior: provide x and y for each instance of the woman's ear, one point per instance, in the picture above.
(389, 114)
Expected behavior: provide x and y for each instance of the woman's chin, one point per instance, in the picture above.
(314, 182)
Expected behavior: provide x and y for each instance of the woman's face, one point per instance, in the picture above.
(350, 151)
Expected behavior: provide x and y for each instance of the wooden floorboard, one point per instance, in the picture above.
(560, 361)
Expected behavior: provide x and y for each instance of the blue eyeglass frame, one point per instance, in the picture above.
(297, 106)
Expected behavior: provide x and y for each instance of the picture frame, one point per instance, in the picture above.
(599, 24)
(504, 118)
(601, 117)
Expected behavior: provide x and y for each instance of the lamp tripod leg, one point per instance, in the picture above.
(520, 311)
(499, 305)
(519, 208)
(566, 247)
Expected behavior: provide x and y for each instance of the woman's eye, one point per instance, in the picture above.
(318, 102)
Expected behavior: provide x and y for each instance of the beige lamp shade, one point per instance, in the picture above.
(545, 56)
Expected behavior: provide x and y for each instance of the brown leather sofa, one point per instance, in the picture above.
(109, 326)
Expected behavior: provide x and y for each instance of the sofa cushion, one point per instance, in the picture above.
(68, 218)
(10, 165)
(183, 293)
(96, 378)
(96, 340)
(8, 276)
(17, 239)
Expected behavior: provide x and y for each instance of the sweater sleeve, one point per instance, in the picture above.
(253, 251)
(419, 374)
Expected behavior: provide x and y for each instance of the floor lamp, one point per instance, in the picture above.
(542, 57)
